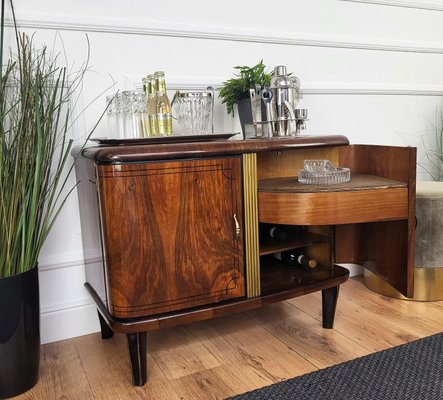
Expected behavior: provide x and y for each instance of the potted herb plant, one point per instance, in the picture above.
(35, 164)
(236, 90)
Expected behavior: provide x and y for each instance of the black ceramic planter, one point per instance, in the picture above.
(19, 333)
(244, 113)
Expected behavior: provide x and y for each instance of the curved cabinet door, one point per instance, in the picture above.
(386, 248)
(172, 234)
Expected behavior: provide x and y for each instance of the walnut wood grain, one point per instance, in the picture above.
(169, 234)
(358, 182)
(287, 162)
(324, 279)
(364, 199)
(269, 245)
(386, 248)
(124, 154)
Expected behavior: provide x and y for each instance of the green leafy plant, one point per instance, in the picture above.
(35, 163)
(237, 88)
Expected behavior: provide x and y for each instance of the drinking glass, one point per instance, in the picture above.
(112, 116)
(133, 112)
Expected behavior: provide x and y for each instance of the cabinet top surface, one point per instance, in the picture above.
(147, 152)
(357, 182)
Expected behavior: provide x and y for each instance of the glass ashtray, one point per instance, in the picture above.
(322, 172)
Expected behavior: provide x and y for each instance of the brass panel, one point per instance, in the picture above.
(428, 285)
(251, 225)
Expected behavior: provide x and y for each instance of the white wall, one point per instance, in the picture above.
(371, 70)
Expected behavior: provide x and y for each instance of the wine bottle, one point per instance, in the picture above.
(297, 257)
(150, 105)
(278, 233)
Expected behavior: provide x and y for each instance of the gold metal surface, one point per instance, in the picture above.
(251, 225)
(428, 285)
(237, 227)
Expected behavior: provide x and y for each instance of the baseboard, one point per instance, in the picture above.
(354, 269)
(68, 323)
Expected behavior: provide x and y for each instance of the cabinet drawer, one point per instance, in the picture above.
(364, 199)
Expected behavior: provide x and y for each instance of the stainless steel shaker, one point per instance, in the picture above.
(284, 100)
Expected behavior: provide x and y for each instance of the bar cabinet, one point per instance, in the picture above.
(183, 227)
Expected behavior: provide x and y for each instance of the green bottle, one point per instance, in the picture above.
(162, 105)
(150, 105)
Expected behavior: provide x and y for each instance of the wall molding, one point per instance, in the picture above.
(68, 322)
(65, 306)
(373, 90)
(153, 28)
(322, 88)
(404, 4)
(72, 316)
(63, 261)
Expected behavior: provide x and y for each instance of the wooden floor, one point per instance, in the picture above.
(230, 355)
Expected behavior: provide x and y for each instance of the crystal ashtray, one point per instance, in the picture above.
(322, 172)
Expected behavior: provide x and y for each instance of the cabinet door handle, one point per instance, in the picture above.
(237, 228)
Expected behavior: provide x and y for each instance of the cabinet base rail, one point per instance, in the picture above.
(136, 329)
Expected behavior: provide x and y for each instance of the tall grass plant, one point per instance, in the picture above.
(36, 99)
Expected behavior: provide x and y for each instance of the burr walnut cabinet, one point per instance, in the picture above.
(183, 227)
(172, 223)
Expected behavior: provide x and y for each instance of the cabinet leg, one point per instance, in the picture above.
(329, 304)
(137, 353)
(107, 332)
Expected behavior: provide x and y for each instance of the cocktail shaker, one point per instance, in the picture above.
(284, 100)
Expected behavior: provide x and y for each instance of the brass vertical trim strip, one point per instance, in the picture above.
(250, 193)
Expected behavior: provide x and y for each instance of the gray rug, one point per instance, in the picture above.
(413, 371)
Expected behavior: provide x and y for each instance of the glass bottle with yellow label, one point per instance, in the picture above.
(150, 106)
(162, 105)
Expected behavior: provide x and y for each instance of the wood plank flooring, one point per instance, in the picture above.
(230, 355)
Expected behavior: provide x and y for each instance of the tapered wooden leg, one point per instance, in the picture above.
(329, 304)
(137, 353)
(107, 332)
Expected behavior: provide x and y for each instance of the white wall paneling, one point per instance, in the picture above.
(67, 310)
(328, 21)
(430, 6)
(371, 70)
(237, 34)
